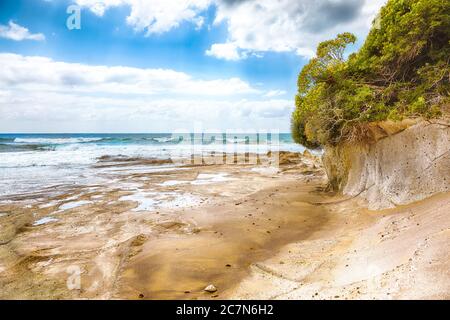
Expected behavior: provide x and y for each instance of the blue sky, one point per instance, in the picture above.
(224, 64)
(181, 48)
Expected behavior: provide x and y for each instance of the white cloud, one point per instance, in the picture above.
(99, 7)
(16, 32)
(40, 94)
(154, 16)
(40, 73)
(270, 109)
(67, 112)
(227, 51)
(291, 25)
(274, 93)
(254, 26)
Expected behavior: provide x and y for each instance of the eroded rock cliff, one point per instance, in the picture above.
(405, 163)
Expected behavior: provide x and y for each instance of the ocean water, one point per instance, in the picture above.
(31, 162)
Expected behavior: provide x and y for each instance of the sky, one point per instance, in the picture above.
(162, 65)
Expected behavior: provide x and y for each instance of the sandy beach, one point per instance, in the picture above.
(400, 253)
(222, 150)
(254, 232)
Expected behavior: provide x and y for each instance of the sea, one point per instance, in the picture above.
(33, 162)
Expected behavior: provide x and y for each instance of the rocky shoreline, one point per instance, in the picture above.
(136, 235)
(222, 231)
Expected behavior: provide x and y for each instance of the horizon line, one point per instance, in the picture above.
(4, 133)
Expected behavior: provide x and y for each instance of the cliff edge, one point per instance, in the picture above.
(408, 162)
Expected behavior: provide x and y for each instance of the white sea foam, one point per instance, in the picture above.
(166, 139)
(85, 154)
(71, 162)
(231, 140)
(55, 140)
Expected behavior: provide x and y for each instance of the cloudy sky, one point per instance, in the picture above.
(162, 65)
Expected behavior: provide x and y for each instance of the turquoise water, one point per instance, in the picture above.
(31, 162)
(24, 150)
(50, 142)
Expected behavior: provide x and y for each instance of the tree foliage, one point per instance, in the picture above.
(402, 70)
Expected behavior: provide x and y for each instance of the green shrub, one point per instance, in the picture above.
(402, 70)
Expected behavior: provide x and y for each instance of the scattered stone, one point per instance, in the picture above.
(141, 295)
(228, 265)
(211, 288)
(139, 240)
(171, 224)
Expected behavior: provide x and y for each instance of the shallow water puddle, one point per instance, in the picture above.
(74, 204)
(207, 178)
(153, 200)
(144, 202)
(44, 220)
(170, 183)
(74, 197)
(269, 171)
(180, 201)
(49, 204)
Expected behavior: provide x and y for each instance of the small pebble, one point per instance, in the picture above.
(211, 288)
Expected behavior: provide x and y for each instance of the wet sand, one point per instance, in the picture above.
(250, 230)
(230, 238)
(157, 234)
